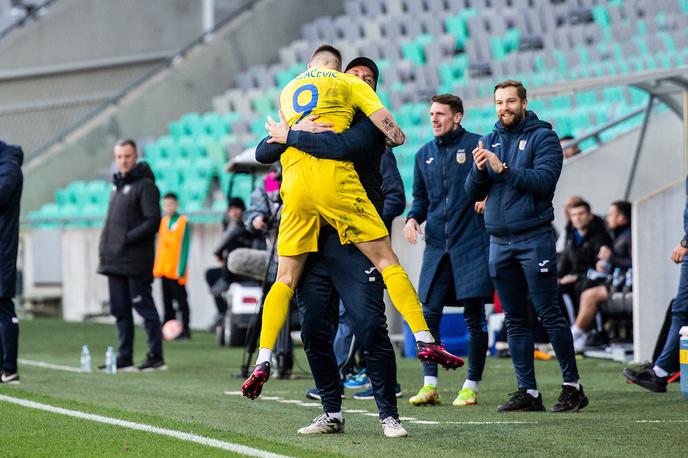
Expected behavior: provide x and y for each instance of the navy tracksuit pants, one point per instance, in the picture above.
(669, 358)
(9, 336)
(522, 266)
(127, 293)
(342, 271)
(442, 292)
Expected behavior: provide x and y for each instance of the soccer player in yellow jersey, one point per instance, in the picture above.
(317, 191)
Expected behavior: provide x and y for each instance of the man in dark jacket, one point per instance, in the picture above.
(234, 236)
(584, 240)
(11, 181)
(454, 268)
(127, 253)
(616, 253)
(342, 271)
(517, 167)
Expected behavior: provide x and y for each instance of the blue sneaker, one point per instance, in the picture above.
(357, 381)
(314, 393)
(368, 394)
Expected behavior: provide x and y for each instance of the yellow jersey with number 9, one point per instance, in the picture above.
(332, 95)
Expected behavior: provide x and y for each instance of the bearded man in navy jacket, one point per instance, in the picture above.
(517, 167)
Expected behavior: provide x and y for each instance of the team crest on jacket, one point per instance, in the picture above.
(461, 156)
(522, 145)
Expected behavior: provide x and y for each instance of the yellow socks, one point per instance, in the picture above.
(404, 297)
(275, 311)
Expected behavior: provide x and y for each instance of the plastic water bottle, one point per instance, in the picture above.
(595, 275)
(85, 359)
(110, 361)
(629, 279)
(683, 359)
(617, 278)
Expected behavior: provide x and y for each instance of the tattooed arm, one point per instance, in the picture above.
(384, 121)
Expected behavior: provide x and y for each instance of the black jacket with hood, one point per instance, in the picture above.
(11, 181)
(127, 243)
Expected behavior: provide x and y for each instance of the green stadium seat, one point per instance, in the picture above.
(176, 129)
(188, 147)
(168, 147)
(214, 125)
(263, 103)
(258, 125)
(231, 117)
(192, 123)
(600, 15)
(151, 151)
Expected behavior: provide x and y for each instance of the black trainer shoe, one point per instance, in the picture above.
(597, 339)
(521, 401)
(153, 363)
(122, 366)
(570, 399)
(646, 378)
(10, 378)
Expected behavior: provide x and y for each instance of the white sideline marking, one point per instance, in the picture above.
(491, 422)
(661, 421)
(414, 420)
(310, 404)
(58, 367)
(189, 437)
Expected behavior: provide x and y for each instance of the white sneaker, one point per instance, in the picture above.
(392, 428)
(579, 342)
(9, 379)
(323, 424)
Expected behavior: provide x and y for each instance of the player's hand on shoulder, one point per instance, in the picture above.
(277, 131)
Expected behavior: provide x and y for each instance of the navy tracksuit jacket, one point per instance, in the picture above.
(454, 270)
(522, 257)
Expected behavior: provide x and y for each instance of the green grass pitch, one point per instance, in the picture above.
(621, 420)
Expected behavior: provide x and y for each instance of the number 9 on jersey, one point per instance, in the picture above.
(306, 109)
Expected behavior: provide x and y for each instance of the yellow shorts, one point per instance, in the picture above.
(320, 190)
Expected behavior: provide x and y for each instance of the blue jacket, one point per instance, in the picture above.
(364, 145)
(11, 181)
(520, 200)
(453, 226)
